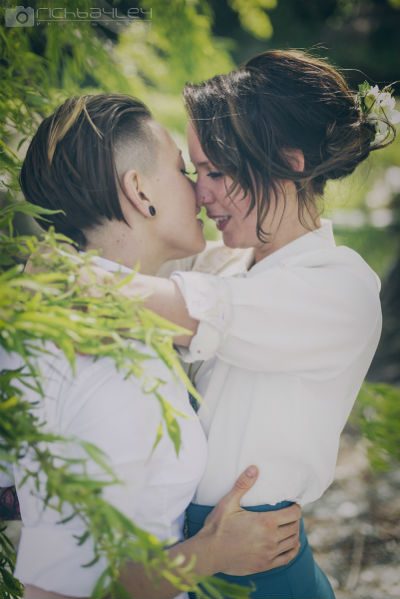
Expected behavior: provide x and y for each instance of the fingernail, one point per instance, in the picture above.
(251, 471)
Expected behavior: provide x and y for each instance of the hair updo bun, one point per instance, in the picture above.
(279, 100)
(347, 143)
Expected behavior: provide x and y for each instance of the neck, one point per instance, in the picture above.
(287, 230)
(114, 241)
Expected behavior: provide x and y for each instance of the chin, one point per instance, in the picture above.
(198, 247)
(192, 250)
(231, 242)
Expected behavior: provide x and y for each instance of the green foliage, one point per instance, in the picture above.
(378, 415)
(374, 244)
(350, 193)
(10, 587)
(253, 16)
(334, 29)
(177, 47)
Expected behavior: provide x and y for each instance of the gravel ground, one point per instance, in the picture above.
(354, 528)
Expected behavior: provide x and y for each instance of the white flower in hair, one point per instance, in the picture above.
(379, 108)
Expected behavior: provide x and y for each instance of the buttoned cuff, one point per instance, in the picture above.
(207, 300)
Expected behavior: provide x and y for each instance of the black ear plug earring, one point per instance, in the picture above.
(152, 210)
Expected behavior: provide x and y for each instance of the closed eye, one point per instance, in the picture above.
(214, 174)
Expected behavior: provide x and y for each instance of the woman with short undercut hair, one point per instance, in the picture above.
(120, 181)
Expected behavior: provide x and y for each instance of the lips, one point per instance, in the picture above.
(221, 221)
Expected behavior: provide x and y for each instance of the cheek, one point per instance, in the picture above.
(241, 206)
(244, 225)
(185, 200)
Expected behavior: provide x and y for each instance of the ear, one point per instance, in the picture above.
(295, 158)
(132, 186)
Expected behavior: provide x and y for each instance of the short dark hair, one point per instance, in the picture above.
(70, 164)
(280, 100)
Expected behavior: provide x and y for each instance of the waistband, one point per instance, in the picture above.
(198, 513)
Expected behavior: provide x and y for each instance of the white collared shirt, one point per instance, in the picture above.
(286, 346)
(98, 404)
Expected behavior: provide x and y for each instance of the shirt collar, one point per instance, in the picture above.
(321, 238)
(110, 265)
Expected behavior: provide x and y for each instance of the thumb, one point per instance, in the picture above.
(243, 484)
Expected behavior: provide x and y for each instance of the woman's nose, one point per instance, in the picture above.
(203, 195)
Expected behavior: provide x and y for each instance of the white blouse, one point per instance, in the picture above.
(99, 405)
(286, 346)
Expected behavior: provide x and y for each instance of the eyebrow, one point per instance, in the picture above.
(204, 163)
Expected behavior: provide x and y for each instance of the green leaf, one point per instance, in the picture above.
(159, 436)
(98, 456)
(12, 585)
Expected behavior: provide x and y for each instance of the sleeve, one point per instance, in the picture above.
(288, 318)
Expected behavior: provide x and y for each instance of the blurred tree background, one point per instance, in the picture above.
(171, 42)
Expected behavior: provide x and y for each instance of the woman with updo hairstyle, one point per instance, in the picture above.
(286, 332)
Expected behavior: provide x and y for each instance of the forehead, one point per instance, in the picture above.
(196, 152)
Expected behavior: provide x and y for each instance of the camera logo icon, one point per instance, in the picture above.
(19, 16)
